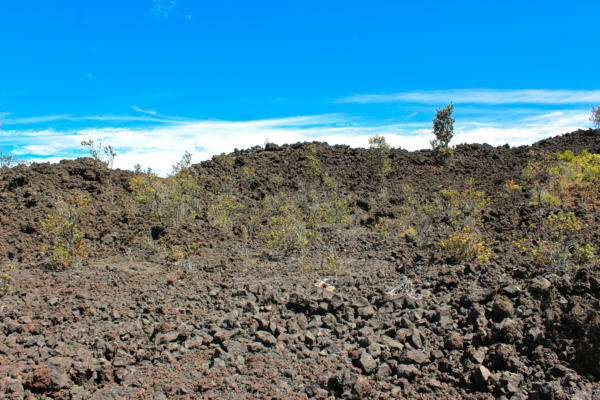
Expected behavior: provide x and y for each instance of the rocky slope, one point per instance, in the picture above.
(238, 320)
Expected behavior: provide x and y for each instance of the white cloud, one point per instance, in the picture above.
(167, 8)
(163, 8)
(160, 147)
(138, 109)
(482, 96)
(148, 117)
(35, 120)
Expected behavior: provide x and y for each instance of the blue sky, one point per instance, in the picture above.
(155, 78)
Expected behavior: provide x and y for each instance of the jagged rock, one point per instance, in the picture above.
(393, 344)
(407, 371)
(11, 326)
(163, 338)
(478, 355)
(367, 363)
(310, 338)
(336, 302)
(415, 356)
(266, 338)
(511, 382)
(454, 341)
(502, 308)
(480, 376)
(384, 371)
(11, 386)
(416, 338)
(547, 391)
(366, 312)
(541, 285)
(362, 387)
(47, 379)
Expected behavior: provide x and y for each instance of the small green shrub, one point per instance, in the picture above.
(512, 189)
(97, 149)
(108, 159)
(539, 176)
(466, 244)
(276, 180)
(548, 200)
(286, 229)
(462, 212)
(222, 213)
(332, 263)
(5, 279)
(9, 161)
(245, 240)
(379, 159)
(172, 200)
(460, 208)
(335, 211)
(554, 242)
(416, 218)
(312, 167)
(62, 229)
(178, 252)
(585, 254)
(392, 228)
(572, 179)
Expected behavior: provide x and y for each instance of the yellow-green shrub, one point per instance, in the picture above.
(466, 244)
(286, 228)
(223, 211)
(335, 211)
(172, 200)
(567, 177)
(312, 167)
(379, 159)
(5, 279)
(62, 229)
(554, 242)
(333, 263)
(460, 208)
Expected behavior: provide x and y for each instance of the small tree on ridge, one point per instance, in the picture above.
(595, 117)
(443, 129)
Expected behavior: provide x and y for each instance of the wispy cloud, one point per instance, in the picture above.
(138, 109)
(147, 116)
(162, 8)
(166, 8)
(35, 120)
(158, 116)
(161, 146)
(482, 96)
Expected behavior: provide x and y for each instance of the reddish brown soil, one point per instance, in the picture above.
(129, 323)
